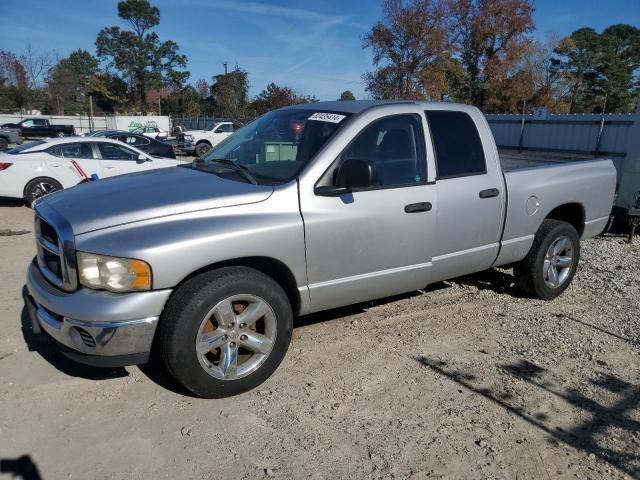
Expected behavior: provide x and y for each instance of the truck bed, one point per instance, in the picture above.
(513, 160)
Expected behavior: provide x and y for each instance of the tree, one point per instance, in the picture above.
(69, 81)
(347, 95)
(406, 44)
(109, 92)
(489, 37)
(36, 64)
(142, 60)
(600, 68)
(274, 97)
(229, 93)
(13, 83)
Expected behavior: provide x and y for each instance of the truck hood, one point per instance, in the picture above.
(146, 195)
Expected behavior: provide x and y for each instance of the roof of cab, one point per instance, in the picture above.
(357, 106)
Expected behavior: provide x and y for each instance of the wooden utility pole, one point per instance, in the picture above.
(91, 126)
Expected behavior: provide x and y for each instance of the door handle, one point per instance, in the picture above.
(418, 207)
(54, 164)
(109, 166)
(489, 192)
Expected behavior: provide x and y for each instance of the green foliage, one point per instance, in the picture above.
(138, 54)
(347, 95)
(109, 92)
(68, 83)
(601, 69)
(229, 94)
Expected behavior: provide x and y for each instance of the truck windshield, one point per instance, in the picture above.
(276, 146)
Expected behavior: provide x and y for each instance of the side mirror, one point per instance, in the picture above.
(352, 173)
(142, 159)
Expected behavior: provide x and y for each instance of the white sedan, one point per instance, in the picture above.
(152, 132)
(38, 168)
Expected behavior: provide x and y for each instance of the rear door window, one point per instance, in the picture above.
(76, 150)
(457, 144)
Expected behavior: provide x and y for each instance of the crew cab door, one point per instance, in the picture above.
(119, 159)
(375, 241)
(471, 194)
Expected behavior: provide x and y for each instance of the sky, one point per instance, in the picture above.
(313, 47)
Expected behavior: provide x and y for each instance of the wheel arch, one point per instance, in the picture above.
(269, 266)
(204, 140)
(572, 213)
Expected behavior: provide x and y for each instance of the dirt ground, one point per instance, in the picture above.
(465, 380)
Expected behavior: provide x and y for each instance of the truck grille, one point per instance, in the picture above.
(180, 140)
(56, 251)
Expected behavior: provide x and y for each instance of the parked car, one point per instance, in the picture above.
(41, 127)
(101, 133)
(308, 208)
(9, 136)
(39, 168)
(199, 142)
(148, 145)
(152, 132)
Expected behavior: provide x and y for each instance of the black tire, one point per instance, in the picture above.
(530, 272)
(60, 134)
(39, 187)
(4, 144)
(186, 313)
(202, 148)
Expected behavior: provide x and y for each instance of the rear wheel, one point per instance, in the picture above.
(60, 134)
(548, 269)
(4, 144)
(225, 332)
(202, 148)
(39, 187)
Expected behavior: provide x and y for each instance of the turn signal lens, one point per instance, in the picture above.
(4, 165)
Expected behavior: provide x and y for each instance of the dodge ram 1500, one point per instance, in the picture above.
(308, 208)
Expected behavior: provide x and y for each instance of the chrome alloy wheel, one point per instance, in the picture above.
(43, 188)
(236, 336)
(558, 262)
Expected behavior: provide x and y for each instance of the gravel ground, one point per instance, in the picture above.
(465, 380)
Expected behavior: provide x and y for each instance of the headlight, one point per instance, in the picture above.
(111, 273)
(188, 137)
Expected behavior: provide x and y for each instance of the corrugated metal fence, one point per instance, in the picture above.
(615, 136)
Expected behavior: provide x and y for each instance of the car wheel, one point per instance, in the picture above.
(551, 264)
(39, 187)
(202, 148)
(60, 134)
(3, 143)
(226, 331)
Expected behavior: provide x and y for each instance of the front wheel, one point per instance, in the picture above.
(225, 332)
(202, 148)
(550, 265)
(60, 134)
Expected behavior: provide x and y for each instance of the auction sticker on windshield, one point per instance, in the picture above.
(327, 117)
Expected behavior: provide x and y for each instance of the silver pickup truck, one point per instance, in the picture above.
(308, 208)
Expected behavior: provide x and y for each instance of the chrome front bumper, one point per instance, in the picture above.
(95, 327)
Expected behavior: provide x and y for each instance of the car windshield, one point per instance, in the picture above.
(24, 146)
(275, 147)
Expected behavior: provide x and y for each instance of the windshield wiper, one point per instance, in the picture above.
(244, 171)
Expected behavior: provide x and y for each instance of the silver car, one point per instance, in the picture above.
(308, 208)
